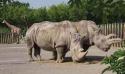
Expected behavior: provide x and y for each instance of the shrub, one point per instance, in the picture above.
(115, 62)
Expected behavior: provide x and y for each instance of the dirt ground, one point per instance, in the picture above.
(14, 60)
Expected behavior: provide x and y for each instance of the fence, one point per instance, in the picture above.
(116, 28)
(9, 38)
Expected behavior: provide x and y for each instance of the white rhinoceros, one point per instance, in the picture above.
(57, 37)
(60, 37)
(94, 36)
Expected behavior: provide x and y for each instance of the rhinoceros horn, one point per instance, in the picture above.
(82, 54)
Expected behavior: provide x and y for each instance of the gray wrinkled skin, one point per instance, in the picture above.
(57, 37)
(61, 37)
(94, 36)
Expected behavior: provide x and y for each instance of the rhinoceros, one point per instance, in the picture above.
(58, 37)
(61, 37)
(94, 36)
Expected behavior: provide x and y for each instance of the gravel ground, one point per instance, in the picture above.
(14, 60)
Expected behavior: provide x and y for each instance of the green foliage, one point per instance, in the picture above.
(100, 11)
(76, 3)
(116, 62)
(58, 13)
(4, 30)
(4, 2)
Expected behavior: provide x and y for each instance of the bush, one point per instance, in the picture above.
(116, 62)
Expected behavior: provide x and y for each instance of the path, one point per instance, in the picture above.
(14, 60)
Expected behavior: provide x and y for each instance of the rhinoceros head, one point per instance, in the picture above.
(104, 42)
(75, 47)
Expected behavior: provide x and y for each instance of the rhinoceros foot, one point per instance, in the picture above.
(59, 60)
(31, 60)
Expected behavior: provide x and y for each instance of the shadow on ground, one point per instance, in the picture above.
(87, 59)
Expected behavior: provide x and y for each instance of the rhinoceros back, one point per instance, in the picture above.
(48, 35)
(32, 33)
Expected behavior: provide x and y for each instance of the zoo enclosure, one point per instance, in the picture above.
(8, 38)
(116, 28)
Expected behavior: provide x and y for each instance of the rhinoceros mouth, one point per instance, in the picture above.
(105, 49)
(79, 56)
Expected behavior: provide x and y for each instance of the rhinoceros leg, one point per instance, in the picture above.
(30, 55)
(59, 54)
(37, 52)
(30, 46)
(64, 52)
(54, 55)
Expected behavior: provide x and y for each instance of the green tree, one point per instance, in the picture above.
(76, 3)
(5, 2)
(58, 13)
(101, 10)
